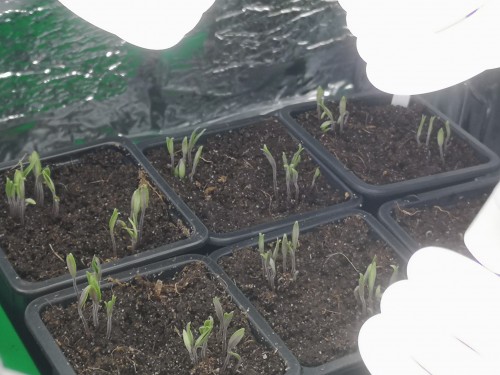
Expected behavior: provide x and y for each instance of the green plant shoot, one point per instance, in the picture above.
(429, 130)
(50, 184)
(440, 142)
(317, 173)
(420, 128)
(320, 101)
(196, 161)
(234, 340)
(109, 314)
(193, 139)
(171, 151)
(112, 224)
(271, 161)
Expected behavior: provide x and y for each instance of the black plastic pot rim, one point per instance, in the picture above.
(55, 356)
(30, 290)
(225, 239)
(379, 192)
(468, 188)
(346, 363)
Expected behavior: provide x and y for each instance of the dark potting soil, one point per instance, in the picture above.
(317, 315)
(146, 336)
(441, 225)
(90, 186)
(233, 185)
(379, 144)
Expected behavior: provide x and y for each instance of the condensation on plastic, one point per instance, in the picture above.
(62, 81)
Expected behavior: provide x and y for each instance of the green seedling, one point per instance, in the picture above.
(50, 184)
(287, 168)
(294, 175)
(343, 113)
(262, 251)
(112, 224)
(36, 166)
(71, 264)
(196, 161)
(420, 128)
(328, 124)
(367, 295)
(429, 130)
(395, 274)
(284, 251)
(269, 268)
(201, 342)
(317, 173)
(193, 139)
(224, 321)
(293, 248)
(139, 203)
(271, 160)
(320, 100)
(15, 193)
(81, 303)
(440, 142)
(448, 134)
(131, 231)
(276, 250)
(171, 151)
(109, 314)
(180, 170)
(184, 149)
(234, 340)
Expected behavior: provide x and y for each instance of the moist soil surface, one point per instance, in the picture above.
(378, 143)
(317, 315)
(146, 337)
(441, 224)
(232, 188)
(90, 186)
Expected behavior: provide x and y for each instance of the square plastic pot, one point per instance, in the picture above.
(16, 293)
(441, 197)
(374, 195)
(56, 362)
(350, 364)
(224, 239)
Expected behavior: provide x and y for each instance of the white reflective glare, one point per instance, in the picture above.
(413, 47)
(151, 24)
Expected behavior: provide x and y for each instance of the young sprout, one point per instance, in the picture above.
(205, 332)
(429, 130)
(395, 274)
(197, 158)
(293, 246)
(276, 249)
(192, 346)
(50, 184)
(36, 166)
(284, 251)
(234, 340)
(269, 268)
(262, 251)
(180, 170)
(366, 283)
(317, 173)
(81, 303)
(224, 321)
(287, 168)
(343, 113)
(15, 192)
(96, 268)
(112, 224)
(320, 100)
(328, 124)
(139, 203)
(109, 314)
(184, 148)
(170, 148)
(440, 142)
(132, 231)
(448, 134)
(420, 128)
(295, 181)
(296, 158)
(71, 264)
(193, 139)
(271, 160)
(95, 295)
